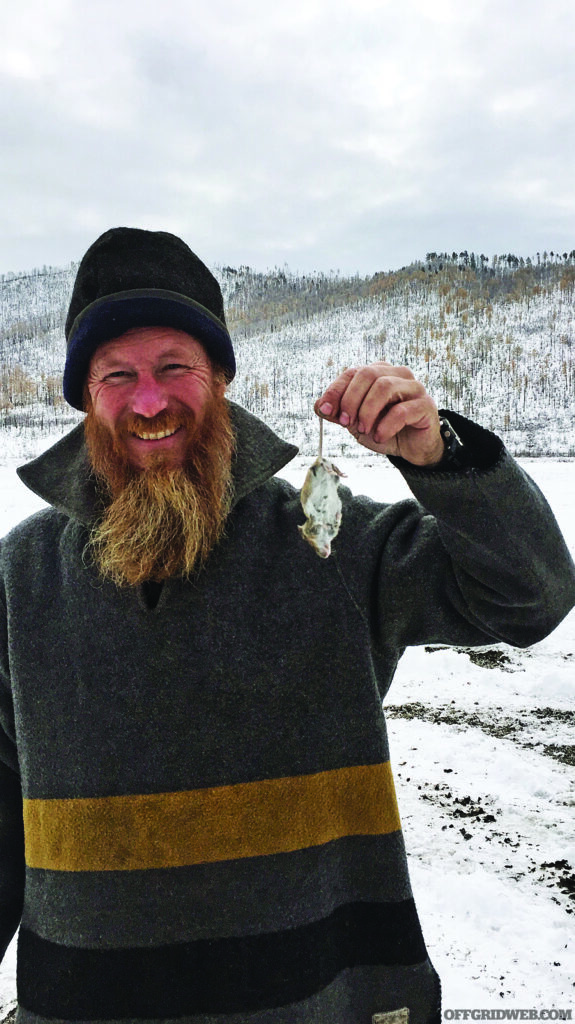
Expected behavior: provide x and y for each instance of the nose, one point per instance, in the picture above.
(148, 397)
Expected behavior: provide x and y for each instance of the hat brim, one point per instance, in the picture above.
(112, 315)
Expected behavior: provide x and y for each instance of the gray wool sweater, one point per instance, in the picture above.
(198, 821)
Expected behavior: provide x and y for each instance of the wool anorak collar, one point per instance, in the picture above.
(63, 477)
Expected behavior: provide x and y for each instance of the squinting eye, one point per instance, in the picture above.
(117, 373)
(175, 366)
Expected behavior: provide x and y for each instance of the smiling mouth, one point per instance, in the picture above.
(158, 436)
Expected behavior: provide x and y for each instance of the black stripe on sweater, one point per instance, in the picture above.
(230, 975)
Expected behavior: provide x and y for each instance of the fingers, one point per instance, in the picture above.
(359, 397)
(328, 405)
(387, 410)
(419, 413)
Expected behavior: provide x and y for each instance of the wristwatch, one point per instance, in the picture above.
(454, 454)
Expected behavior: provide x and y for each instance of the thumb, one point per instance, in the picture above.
(327, 405)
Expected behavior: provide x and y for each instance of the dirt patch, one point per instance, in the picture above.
(500, 727)
(562, 875)
(565, 753)
(447, 715)
(491, 657)
(479, 821)
(554, 713)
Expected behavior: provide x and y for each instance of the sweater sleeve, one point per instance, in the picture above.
(477, 558)
(11, 824)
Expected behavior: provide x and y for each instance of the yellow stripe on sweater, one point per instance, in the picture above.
(251, 819)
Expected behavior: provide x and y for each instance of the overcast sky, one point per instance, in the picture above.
(321, 134)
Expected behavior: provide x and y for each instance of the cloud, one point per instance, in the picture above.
(321, 134)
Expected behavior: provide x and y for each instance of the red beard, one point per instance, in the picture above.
(163, 520)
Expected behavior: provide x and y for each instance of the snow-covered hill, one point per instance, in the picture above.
(495, 341)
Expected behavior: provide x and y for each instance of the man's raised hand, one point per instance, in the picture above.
(387, 410)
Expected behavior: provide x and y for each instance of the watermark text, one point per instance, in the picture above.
(507, 1014)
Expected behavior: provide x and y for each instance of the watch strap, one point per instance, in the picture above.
(454, 453)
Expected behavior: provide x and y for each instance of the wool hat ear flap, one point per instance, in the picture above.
(134, 278)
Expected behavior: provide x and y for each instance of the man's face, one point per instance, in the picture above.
(145, 385)
(160, 440)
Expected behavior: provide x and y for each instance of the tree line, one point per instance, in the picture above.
(490, 337)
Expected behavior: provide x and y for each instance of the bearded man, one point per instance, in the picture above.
(198, 821)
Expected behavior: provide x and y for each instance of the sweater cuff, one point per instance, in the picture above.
(482, 449)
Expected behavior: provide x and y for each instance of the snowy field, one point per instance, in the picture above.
(483, 751)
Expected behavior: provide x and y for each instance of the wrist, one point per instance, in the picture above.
(437, 455)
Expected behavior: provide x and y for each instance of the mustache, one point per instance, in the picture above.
(166, 420)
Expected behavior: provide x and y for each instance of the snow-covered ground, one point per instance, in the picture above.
(484, 762)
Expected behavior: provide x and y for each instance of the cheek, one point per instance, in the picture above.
(195, 394)
(107, 406)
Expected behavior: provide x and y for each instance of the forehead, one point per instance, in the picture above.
(147, 344)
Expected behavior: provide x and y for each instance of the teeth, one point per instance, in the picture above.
(156, 437)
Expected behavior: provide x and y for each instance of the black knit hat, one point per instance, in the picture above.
(134, 278)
